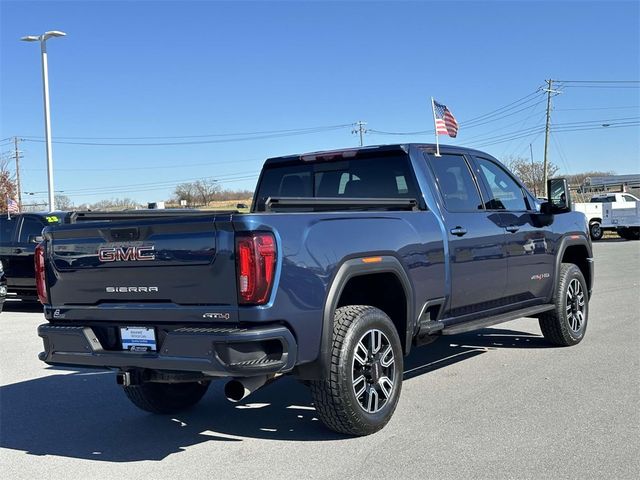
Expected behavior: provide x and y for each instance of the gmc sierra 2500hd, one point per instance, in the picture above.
(347, 260)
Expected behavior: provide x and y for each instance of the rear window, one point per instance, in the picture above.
(381, 177)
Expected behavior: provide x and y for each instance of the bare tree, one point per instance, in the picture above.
(531, 174)
(8, 187)
(187, 192)
(197, 193)
(206, 189)
(115, 204)
(63, 202)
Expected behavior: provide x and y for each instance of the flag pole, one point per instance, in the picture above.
(433, 110)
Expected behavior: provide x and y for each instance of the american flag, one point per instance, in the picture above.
(12, 206)
(445, 121)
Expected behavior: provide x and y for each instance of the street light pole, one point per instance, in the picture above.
(47, 115)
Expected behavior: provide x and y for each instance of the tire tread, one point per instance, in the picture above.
(332, 407)
(552, 323)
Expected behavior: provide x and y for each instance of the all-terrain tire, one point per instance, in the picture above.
(566, 324)
(335, 397)
(166, 397)
(595, 231)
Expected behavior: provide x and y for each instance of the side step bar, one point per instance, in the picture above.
(493, 320)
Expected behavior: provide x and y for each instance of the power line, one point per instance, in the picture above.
(598, 81)
(597, 108)
(601, 86)
(153, 167)
(201, 142)
(360, 130)
(563, 158)
(491, 117)
(471, 120)
(524, 122)
(600, 127)
(498, 116)
(162, 137)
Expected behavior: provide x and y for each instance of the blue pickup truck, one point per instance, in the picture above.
(347, 260)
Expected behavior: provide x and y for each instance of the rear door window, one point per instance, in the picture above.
(455, 182)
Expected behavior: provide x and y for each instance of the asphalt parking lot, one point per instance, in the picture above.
(498, 403)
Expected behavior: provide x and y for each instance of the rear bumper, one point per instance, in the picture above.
(214, 351)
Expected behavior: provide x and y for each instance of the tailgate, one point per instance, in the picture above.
(179, 261)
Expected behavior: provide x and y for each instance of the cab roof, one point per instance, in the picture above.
(367, 151)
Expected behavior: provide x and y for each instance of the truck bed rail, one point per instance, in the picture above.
(323, 204)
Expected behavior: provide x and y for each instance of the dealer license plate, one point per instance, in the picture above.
(138, 339)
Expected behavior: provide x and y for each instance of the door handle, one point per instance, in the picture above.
(512, 228)
(18, 250)
(459, 231)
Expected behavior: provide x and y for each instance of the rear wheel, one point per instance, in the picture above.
(566, 324)
(166, 397)
(362, 387)
(595, 230)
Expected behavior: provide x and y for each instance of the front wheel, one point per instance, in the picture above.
(566, 324)
(363, 384)
(595, 230)
(166, 397)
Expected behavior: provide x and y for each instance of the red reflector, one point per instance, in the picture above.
(41, 285)
(256, 262)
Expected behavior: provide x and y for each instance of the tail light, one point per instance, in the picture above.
(40, 276)
(256, 264)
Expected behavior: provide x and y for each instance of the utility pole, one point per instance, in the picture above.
(17, 157)
(533, 171)
(360, 130)
(545, 169)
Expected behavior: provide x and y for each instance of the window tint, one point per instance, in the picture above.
(383, 177)
(628, 198)
(30, 226)
(7, 227)
(456, 184)
(505, 193)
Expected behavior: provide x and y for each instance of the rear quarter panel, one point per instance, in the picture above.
(312, 246)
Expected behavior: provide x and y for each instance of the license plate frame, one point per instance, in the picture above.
(138, 339)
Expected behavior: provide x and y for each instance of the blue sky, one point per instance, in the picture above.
(179, 69)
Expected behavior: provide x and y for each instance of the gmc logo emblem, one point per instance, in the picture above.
(126, 254)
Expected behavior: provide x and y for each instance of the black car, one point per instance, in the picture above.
(19, 236)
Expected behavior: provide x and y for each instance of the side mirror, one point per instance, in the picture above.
(241, 205)
(559, 196)
(35, 238)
